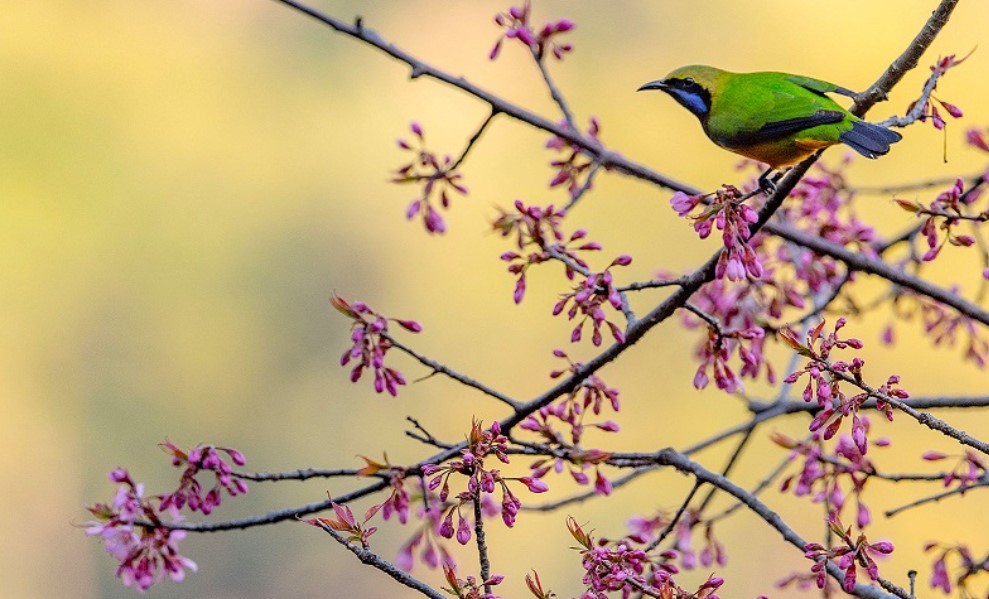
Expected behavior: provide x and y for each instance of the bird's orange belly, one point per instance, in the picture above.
(779, 153)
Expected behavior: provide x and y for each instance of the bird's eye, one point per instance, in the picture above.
(689, 81)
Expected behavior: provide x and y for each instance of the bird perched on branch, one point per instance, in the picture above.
(775, 118)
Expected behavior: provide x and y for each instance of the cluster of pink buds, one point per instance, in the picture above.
(369, 334)
(970, 469)
(831, 476)
(425, 542)
(438, 177)
(145, 552)
(536, 230)
(944, 214)
(718, 348)
(943, 325)
(619, 566)
(712, 551)
(202, 458)
(590, 396)
(516, 24)
(847, 554)
(470, 587)
(571, 169)
(481, 481)
(824, 382)
(589, 299)
(930, 108)
(968, 566)
(725, 210)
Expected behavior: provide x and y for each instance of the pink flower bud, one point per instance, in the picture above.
(534, 485)
(564, 25)
(975, 138)
(524, 35)
(495, 50)
(884, 547)
(463, 531)
(700, 378)
(410, 325)
(953, 110)
(519, 290)
(602, 485)
(236, 456)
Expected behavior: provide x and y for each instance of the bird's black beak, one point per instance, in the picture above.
(658, 84)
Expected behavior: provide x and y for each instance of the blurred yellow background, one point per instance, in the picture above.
(183, 185)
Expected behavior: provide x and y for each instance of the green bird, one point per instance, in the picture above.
(775, 118)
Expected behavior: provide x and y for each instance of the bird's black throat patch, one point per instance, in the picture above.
(689, 94)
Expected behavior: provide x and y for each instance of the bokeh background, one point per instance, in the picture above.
(183, 185)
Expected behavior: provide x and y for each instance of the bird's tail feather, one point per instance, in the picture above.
(868, 139)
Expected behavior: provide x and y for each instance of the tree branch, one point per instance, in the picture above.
(374, 560)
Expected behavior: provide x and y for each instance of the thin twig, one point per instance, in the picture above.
(482, 546)
(554, 92)
(373, 559)
(300, 474)
(588, 183)
(919, 403)
(669, 457)
(639, 286)
(903, 187)
(925, 418)
(551, 506)
(425, 436)
(907, 60)
(861, 262)
(983, 482)
(453, 374)
(421, 69)
(473, 139)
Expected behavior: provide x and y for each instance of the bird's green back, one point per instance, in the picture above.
(756, 107)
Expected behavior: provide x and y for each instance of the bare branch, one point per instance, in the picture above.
(374, 560)
(924, 418)
(907, 60)
(863, 263)
(453, 374)
(300, 474)
(983, 482)
(473, 139)
(670, 457)
(554, 92)
(482, 545)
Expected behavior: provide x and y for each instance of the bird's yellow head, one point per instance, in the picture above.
(691, 86)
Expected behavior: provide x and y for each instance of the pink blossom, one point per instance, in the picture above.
(145, 554)
(516, 25)
(369, 334)
(438, 177)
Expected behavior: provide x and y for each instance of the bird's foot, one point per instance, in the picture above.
(768, 183)
(765, 183)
